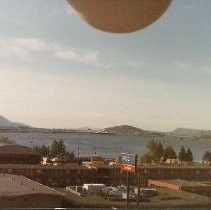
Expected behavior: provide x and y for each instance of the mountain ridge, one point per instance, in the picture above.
(4, 122)
(130, 130)
(10, 126)
(189, 131)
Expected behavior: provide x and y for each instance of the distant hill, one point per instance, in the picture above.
(190, 132)
(124, 130)
(4, 123)
(7, 126)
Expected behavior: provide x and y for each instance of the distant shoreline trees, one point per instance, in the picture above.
(57, 148)
(186, 156)
(169, 153)
(206, 156)
(156, 152)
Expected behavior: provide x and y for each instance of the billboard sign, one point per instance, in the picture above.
(128, 162)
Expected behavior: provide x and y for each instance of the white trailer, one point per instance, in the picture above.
(93, 189)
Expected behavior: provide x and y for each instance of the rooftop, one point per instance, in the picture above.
(13, 185)
(181, 182)
(67, 166)
(17, 150)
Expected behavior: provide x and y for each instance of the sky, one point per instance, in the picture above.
(58, 72)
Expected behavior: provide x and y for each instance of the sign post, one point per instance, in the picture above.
(128, 164)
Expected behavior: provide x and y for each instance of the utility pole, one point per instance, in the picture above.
(78, 156)
(62, 148)
(128, 190)
(138, 183)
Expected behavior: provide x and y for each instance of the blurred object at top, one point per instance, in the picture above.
(120, 16)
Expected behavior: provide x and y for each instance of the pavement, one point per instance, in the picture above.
(166, 198)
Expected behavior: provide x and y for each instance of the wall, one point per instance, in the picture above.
(57, 176)
(163, 184)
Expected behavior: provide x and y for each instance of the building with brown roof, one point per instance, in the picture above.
(199, 187)
(21, 192)
(18, 154)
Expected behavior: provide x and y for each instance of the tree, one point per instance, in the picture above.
(58, 147)
(43, 150)
(145, 159)
(160, 151)
(152, 147)
(189, 155)
(207, 156)
(55, 148)
(69, 155)
(169, 153)
(155, 150)
(182, 154)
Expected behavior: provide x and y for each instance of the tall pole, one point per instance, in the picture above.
(138, 183)
(62, 152)
(78, 157)
(128, 190)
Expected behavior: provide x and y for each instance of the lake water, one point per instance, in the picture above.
(106, 145)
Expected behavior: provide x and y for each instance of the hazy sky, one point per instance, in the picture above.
(56, 71)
